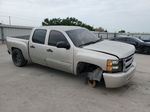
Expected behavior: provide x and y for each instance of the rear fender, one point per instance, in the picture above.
(23, 46)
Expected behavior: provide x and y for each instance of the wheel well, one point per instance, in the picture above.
(83, 67)
(14, 48)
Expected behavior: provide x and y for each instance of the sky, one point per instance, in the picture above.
(113, 15)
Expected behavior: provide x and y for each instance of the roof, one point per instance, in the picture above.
(64, 28)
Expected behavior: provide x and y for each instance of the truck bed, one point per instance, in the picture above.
(26, 37)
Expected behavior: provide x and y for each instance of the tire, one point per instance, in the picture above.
(146, 50)
(18, 58)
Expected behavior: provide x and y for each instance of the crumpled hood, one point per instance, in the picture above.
(119, 49)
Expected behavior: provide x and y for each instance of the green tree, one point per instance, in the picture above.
(69, 21)
(122, 31)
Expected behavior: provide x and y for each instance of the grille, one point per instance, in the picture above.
(127, 63)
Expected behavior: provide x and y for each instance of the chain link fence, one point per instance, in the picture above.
(12, 30)
(108, 35)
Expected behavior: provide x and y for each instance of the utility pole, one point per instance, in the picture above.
(9, 20)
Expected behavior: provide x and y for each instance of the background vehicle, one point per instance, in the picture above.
(145, 39)
(140, 45)
(75, 50)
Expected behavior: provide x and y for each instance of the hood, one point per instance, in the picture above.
(146, 43)
(119, 49)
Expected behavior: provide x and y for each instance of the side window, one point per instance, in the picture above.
(130, 40)
(122, 39)
(56, 36)
(39, 36)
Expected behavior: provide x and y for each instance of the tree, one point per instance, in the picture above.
(122, 31)
(70, 21)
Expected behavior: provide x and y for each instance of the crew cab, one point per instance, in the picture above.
(75, 50)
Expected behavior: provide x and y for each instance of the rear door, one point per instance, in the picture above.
(37, 47)
(59, 58)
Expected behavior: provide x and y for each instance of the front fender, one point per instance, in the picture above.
(91, 57)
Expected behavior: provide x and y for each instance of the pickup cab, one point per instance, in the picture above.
(75, 50)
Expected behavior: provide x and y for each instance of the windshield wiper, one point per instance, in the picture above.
(92, 42)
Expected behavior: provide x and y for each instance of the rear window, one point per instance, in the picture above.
(39, 36)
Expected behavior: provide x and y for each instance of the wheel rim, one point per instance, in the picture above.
(146, 50)
(92, 83)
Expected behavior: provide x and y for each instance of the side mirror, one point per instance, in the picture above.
(62, 44)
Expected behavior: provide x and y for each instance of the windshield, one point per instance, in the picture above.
(139, 40)
(82, 37)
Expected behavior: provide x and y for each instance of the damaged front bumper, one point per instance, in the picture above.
(114, 80)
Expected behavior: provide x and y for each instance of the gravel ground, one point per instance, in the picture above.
(35, 88)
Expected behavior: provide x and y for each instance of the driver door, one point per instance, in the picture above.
(59, 58)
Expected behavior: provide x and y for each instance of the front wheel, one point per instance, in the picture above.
(18, 58)
(146, 50)
(92, 83)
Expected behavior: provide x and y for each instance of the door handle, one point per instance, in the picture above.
(32, 46)
(49, 50)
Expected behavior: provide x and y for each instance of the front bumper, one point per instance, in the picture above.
(114, 80)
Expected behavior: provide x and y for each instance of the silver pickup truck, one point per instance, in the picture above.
(75, 50)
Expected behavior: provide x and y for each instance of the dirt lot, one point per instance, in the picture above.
(35, 88)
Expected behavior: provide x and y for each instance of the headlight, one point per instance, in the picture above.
(114, 65)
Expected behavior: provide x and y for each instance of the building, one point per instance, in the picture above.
(13, 30)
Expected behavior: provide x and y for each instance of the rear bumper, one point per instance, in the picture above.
(114, 80)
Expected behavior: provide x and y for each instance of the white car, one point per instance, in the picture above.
(75, 50)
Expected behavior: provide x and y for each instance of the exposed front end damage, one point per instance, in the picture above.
(95, 75)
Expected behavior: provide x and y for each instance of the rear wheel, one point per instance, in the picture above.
(18, 58)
